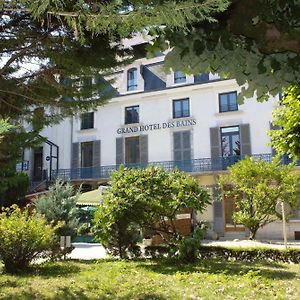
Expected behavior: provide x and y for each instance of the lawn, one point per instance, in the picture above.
(154, 279)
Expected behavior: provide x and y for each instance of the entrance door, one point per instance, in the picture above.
(38, 164)
(229, 209)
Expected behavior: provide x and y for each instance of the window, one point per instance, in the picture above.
(132, 79)
(230, 141)
(131, 114)
(132, 150)
(228, 102)
(86, 154)
(87, 120)
(181, 108)
(179, 77)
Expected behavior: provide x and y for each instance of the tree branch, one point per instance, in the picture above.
(21, 53)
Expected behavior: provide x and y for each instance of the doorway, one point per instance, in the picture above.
(229, 209)
(38, 164)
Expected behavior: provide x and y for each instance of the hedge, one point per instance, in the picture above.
(239, 254)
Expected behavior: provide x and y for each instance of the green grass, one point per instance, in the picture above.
(149, 279)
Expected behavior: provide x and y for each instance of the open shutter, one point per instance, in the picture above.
(245, 139)
(75, 156)
(144, 148)
(215, 142)
(119, 151)
(97, 153)
(218, 211)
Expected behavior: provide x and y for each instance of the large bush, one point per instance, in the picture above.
(144, 200)
(24, 236)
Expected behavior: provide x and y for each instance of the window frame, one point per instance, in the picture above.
(87, 123)
(181, 108)
(228, 105)
(132, 86)
(126, 122)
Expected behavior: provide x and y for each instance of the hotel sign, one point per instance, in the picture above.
(156, 126)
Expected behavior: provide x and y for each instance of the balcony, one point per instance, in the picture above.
(194, 166)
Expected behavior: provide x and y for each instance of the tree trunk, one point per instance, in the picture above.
(253, 231)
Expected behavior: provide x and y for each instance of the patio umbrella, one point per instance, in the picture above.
(91, 198)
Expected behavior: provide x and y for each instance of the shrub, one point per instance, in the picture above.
(159, 251)
(184, 248)
(144, 200)
(187, 249)
(59, 206)
(24, 236)
(250, 254)
(83, 229)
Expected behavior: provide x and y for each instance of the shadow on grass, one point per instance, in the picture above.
(68, 293)
(215, 266)
(47, 269)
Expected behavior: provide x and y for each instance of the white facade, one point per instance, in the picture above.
(156, 131)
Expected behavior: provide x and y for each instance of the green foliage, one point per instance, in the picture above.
(144, 200)
(286, 139)
(255, 42)
(13, 140)
(58, 206)
(83, 229)
(23, 237)
(13, 187)
(124, 17)
(256, 186)
(186, 249)
(250, 254)
(5, 127)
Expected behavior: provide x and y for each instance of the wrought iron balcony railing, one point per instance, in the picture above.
(200, 165)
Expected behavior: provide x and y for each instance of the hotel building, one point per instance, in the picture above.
(171, 120)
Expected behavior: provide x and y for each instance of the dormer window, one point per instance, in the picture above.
(179, 77)
(132, 79)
